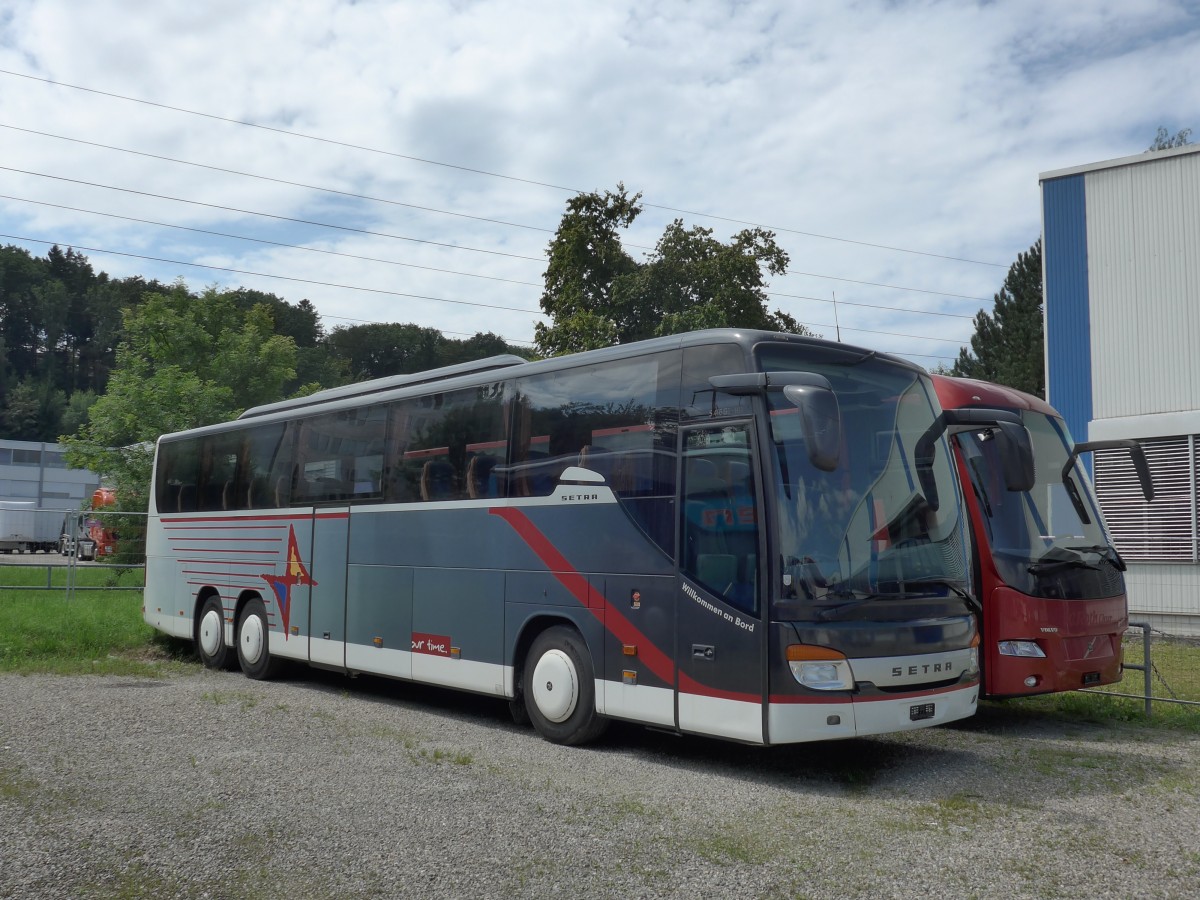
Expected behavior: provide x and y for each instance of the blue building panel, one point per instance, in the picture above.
(1068, 317)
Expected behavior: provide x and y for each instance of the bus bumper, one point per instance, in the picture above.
(796, 722)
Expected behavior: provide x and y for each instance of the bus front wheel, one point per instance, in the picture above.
(253, 634)
(210, 635)
(560, 688)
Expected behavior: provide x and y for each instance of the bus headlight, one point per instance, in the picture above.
(1021, 648)
(820, 668)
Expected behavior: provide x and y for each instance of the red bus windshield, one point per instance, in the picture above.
(1039, 543)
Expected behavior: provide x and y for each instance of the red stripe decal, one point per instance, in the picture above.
(614, 620)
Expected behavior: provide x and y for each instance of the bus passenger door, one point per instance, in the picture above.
(719, 608)
(327, 607)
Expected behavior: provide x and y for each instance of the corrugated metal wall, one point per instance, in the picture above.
(1143, 247)
(1122, 280)
(1065, 272)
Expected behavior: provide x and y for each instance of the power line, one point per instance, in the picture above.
(827, 237)
(919, 337)
(894, 287)
(433, 162)
(347, 287)
(299, 184)
(250, 212)
(242, 237)
(919, 312)
(431, 209)
(420, 240)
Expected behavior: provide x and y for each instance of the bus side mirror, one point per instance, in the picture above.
(820, 421)
(1016, 446)
(1016, 455)
(1136, 455)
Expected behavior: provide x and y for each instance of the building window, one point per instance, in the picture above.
(1163, 530)
(27, 457)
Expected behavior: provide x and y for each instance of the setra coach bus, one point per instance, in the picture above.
(1049, 578)
(750, 535)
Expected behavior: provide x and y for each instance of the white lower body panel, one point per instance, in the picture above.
(796, 722)
(640, 703)
(734, 719)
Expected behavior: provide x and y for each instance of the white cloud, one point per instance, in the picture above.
(921, 125)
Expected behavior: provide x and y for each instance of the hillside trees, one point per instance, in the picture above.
(61, 323)
(185, 361)
(597, 295)
(1007, 346)
(380, 349)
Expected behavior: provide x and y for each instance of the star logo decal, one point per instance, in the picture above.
(294, 574)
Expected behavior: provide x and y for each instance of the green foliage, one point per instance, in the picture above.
(381, 349)
(33, 408)
(1007, 347)
(186, 361)
(1164, 141)
(66, 331)
(597, 295)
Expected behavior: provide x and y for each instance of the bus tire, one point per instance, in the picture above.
(560, 688)
(253, 649)
(210, 635)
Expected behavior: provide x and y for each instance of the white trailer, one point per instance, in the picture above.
(27, 529)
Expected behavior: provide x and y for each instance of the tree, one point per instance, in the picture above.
(186, 361)
(32, 411)
(1007, 346)
(598, 295)
(1164, 142)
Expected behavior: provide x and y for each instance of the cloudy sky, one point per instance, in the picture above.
(398, 161)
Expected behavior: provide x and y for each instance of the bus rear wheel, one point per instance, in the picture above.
(560, 688)
(253, 649)
(210, 635)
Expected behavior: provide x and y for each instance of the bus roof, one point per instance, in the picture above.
(960, 393)
(376, 385)
(467, 374)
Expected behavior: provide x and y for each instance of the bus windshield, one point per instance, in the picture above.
(1040, 544)
(866, 529)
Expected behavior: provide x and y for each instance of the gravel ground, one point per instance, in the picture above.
(207, 784)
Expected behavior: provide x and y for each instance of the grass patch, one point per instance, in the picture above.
(1174, 668)
(736, 845)
(219, 698)
(32, 575)
(99, 633)
(1097, 708)
(16, 787)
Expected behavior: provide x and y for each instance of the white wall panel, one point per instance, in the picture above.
(1143, 227)
(1165, 589)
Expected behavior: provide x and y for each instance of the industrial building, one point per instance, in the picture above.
(1121, 280)
(32, 471)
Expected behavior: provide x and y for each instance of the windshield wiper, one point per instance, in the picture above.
(1105, 551)
(954, 588)
(1053, 562)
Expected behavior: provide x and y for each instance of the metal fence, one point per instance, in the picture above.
(1159, 668)
(89, 550)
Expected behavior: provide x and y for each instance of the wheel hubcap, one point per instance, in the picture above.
(555, 686)
(252, 639)
(210, 632)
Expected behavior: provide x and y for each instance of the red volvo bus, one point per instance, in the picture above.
(1047, 575)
